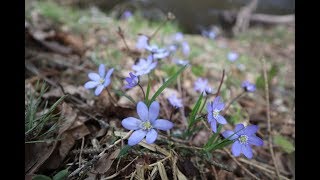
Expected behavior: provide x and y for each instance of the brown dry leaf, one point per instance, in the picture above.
(201, 138)
(36, 154)
(105, 162)
(69, 116)
(71, 129)
(162, 171)
(154, 172)
(66, 144)
(180, 175)
(71, 40)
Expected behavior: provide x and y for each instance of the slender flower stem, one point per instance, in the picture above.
(144, 94)
(121, 34)
(218, 92)
(205, 101)
(111, 97)
(172, 111)
(269, 119)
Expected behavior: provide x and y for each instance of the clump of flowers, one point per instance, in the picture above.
(147, 125)
(99, 81)
(243, 137)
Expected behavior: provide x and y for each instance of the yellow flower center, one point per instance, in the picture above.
(243, 139)
(101, 81)
(147, 125)
(215, 113)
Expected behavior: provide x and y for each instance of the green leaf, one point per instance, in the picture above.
(194, 111)
(124, 150)
(285, 144)
(120, 93)
(166, 84)
(197, 70)
(170, 70)
(61, 175)
(40, 177)
(271, 74)
(213, 137)
(148, 92)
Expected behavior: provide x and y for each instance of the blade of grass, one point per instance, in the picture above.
(148, 91)
(194, 111)
(213, 137)
(166, 84)
(120, 93)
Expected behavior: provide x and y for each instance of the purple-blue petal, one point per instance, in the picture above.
(210, 117)
(250, 130)
(220, 106)
(255, 140)
(142, 111)
(221, 120)
(102, 70)
(236, 148)
(209, 107)
(230, 135)
(131, 123)
(106, 82)
(239, 129)
(91, 84)
(109, 73)
(162, 124)
(98, 90)
(94, 76)
(216, 102)
(247, 151)
(151, 136)
(214, 125)
(154, 111)
(136, 137)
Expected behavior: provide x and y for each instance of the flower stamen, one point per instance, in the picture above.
(146, 125)
(243, 139)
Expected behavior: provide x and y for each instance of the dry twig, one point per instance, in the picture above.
(268, 117)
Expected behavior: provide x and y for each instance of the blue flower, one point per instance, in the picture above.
(214, 108)
(174, 101)
(157, 53)
(144, 66)
(243, 137)
(178, 37)
(180, 62)
(201, 85)
(99, 80)
(126, 15)
(132, 81)
(147, 124)
(142, 42)
(185, 48)
(247, 86)
(209, 34)
(232, 56)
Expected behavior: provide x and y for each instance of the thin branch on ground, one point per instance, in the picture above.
(240, 165)
(80, 155)
(262, 168)
(266, 86)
